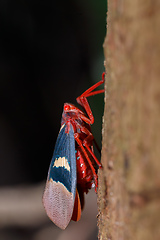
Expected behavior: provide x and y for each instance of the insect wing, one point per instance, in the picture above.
(77, 208)
(59, 193)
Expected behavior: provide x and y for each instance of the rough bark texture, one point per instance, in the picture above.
(129, 184)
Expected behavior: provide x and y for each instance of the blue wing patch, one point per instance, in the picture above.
(59, 193)
(63, 164)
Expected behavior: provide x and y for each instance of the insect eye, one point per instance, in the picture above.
(66, 107)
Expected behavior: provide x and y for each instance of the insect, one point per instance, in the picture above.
(72, 171)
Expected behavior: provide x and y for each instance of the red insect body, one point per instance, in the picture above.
(72, 171)
(86, 160)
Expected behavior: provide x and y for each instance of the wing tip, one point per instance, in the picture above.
(58, 203)
(76, 215)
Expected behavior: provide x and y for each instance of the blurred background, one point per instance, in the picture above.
(50, 52)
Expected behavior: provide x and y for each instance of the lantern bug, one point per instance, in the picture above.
(72, 170)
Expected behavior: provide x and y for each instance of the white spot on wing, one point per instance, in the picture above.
(62, 127)
(62, 162)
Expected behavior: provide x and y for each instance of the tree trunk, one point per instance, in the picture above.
(129, 184)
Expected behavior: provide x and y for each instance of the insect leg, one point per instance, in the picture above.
(82, 100)
(87, 142)
(89, 92)
(93, 155)
(79, 142)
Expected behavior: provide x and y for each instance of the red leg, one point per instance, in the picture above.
(89, 92)
(87, 142)
(76, 135)
(94, 157)
(82, 100)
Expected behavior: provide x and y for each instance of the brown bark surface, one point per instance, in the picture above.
(129, 184)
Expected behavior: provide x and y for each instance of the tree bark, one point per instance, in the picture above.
(129, 183)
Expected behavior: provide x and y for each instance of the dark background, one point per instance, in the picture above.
(50, 52)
